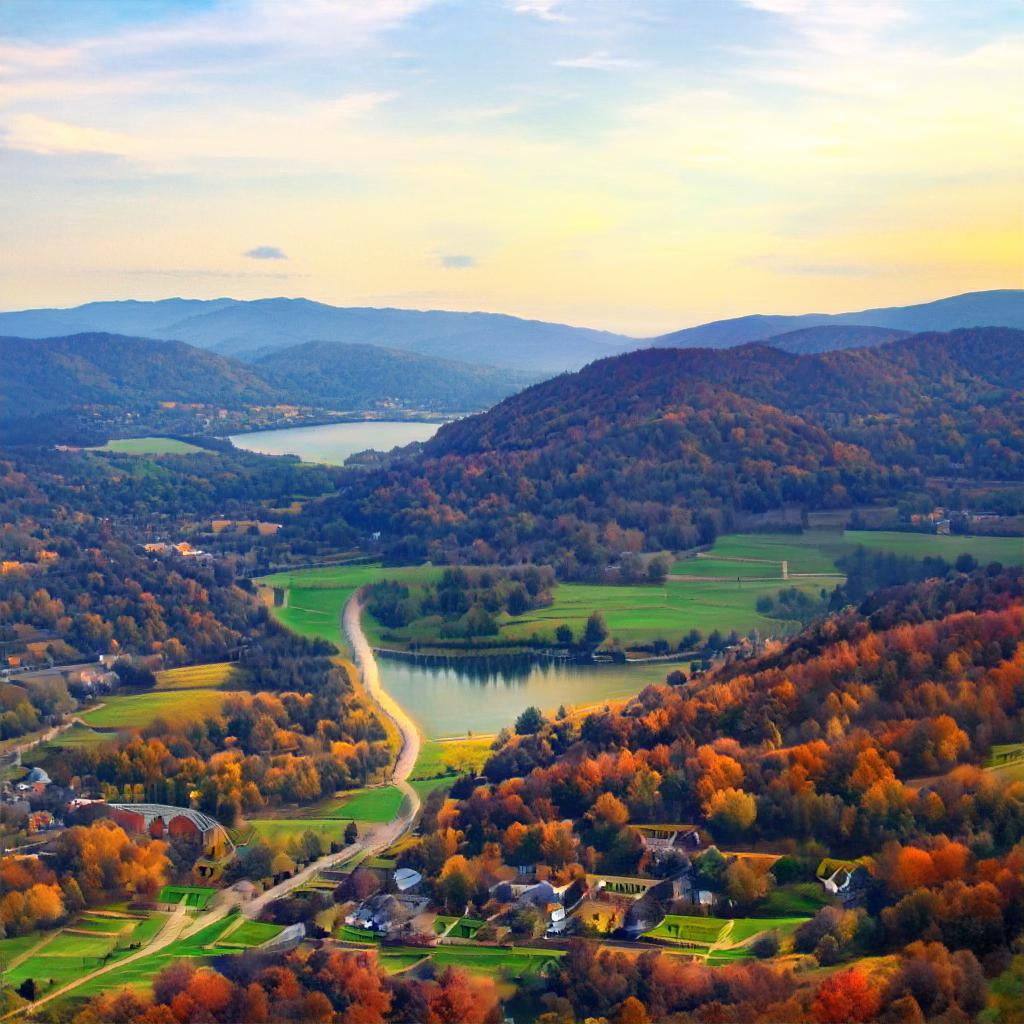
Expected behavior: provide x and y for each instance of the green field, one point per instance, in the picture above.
(140, 973)
(516, 962)
(744, 928)
(251, 933)
(195, 897)
(374, 805)
(363, 936)
(680, 928)
(137, 710)
(60, 957)
(150, 446)
(1008, 550)
(197, 677)
(278, 832)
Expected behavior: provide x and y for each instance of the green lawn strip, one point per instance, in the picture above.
(443, 922)
(363, 936)
(394, 963)
(137, 710)
(18, 945)
(514, 963)
(105, 925)
(1008, 550)
(150, 446)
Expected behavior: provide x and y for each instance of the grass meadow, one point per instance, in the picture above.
(137, 710)
(149, 446)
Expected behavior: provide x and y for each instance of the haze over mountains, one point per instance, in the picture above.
(250, 330)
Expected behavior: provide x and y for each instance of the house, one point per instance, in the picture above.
(663, 839)
(379, 913)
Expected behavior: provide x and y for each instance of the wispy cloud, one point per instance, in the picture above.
(265, 252)
(600, 60)
(457, 261)
(546, 10)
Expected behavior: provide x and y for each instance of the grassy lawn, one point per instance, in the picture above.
(798, 898)
(76, 736)
(744, 928)
(137, 710)
(393, 963)
(150, 446)
(277, 832)
(251, 933)
(513, 963)
(451, 757)
(813, 551)
(1008, 550)
(679, 928)
(196, 677)
(374, 805)
(349, 933)
(195, 897)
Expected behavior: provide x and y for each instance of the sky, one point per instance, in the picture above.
(637, 166)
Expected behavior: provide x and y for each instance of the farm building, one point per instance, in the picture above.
(660, 839)
(160, 820)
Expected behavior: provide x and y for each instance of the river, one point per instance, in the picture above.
(451, 701)
(333, 443)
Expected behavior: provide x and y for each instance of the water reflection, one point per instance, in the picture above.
(481, 695)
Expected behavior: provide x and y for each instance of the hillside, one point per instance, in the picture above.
(997, 308)
(340, 376)
(43, 375)
(247, 329)
(671, 443)
(133, 376)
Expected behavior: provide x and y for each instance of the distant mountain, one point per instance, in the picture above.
(115, 372)
(339, 376)
(248, 329)
(1000, 308)
(665, 446)
(832, 338)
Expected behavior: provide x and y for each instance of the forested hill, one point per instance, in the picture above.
(42, 375)
(351, 376)
(130, 374)
(671, 443)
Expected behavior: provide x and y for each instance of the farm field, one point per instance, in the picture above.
(709, 931)
(1008, 550)
(59, 957)
(373, 805)
(137, 710)
(149, 446)
(140, 973)
(451, 757)
(196, 677)
(751, 555)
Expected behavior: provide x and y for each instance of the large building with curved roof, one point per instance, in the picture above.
(163, 821)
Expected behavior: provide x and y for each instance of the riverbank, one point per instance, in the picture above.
(366, 663)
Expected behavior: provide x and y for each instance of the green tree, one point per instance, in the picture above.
(529, 722)
(596, 632)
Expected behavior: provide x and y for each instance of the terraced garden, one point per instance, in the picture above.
(195, 897)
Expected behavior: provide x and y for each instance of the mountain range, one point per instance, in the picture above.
(117, 372)
(251, 330)
(673, 443)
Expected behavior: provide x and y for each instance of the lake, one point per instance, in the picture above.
(333, 443)
(449, 701)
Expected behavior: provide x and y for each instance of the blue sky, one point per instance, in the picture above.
(637, 166)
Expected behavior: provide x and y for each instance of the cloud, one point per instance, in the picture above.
(599, 60)
(265, 252)
(46, 136)
(546, 10)
(457, 261)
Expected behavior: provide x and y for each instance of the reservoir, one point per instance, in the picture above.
(451, 701)
(333, 443)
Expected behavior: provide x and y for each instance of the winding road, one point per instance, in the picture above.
(374, 839)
